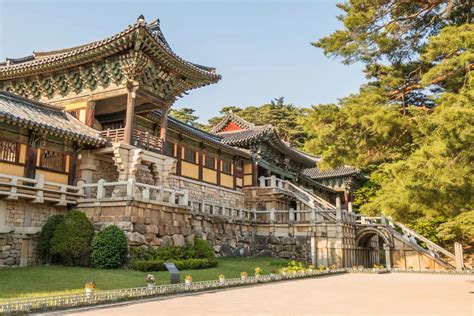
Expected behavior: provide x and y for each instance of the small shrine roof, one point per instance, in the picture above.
(34, 115)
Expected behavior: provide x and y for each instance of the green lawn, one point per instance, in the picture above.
(32, 281)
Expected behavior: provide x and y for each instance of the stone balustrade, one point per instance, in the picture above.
(38, 190)
(132, 190)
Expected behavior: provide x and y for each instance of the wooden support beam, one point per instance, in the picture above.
(129, 114)
(73, 167)
(179, 153)
(219, 168)
(163, 128)
(90, 113)
(200, 160)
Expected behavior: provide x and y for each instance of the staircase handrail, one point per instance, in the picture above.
(310, 196)
(428, 242)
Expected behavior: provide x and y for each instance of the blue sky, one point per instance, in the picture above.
(261, 48)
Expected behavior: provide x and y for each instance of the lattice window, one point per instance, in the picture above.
(52, 160)
(9, 150)
(74, 113)
(210, 162)
(190, 155)
(226, 167)
(169, 149)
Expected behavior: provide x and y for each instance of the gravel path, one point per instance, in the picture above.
(350, 294)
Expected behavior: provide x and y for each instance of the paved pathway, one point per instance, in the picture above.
(350, 294)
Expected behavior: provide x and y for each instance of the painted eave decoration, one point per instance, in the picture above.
(141, 38)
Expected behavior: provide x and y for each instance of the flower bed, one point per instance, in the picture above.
(46, 303)
(450, 272)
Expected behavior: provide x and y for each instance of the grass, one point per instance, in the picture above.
(42, 280)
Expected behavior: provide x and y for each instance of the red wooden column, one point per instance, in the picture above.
(234, 174)
(30, 163)
(90, 113)
(254, 173)
(129, 115)
(73, 167)
(200, 160)
(219, 168)
(163, 127)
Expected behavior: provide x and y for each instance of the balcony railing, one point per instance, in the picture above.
(37, 190)
(139, 138)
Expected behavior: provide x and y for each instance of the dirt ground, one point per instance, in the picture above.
(349, 294)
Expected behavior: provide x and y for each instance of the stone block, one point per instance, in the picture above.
(155, 242)
(264, 253)
(225, 250)
(288, 241)
(151, 229)
(136, 239)
(190, 240)
(9, 261)
(166, 241)
(5, 248)
(285, 254)
(139, 228)
(4, 254)
(272, 239)
(178, 240)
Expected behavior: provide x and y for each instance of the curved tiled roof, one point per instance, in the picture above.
(341, 171)
(138, 36)
(232, 117)
(38, 116)
(195, 132)
(246, 135)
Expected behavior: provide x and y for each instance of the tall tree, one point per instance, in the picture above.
(410, 127)
(187, 116)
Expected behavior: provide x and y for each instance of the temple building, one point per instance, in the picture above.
(87, 127)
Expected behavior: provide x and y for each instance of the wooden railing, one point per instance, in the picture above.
(131, 190)
(38, 190)
(114, 135)
(139, 138)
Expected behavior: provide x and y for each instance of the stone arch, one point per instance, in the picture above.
(367, 233)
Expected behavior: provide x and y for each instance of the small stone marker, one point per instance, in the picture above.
(173, 271)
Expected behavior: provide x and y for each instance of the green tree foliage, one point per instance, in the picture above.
(47, 232)
(284, 116)
(187, 116)
(411, 127)
(72, 238)
(109, 248)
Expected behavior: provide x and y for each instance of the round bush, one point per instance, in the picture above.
(109, 248)
(72, 239)
(47, 231)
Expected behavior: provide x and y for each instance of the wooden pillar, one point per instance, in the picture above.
(234, 176)
(72, 168)
(30, 163)
(179, 154)
(90, 113)
(163, 127)
(129, 115)
(254, 173)
(346, 199)
(200, 160)
(219, 168)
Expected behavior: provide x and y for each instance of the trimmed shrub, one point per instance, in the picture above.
(47, 231)
(72, 239)
(109, 248)
(200, 250)
(158, 265)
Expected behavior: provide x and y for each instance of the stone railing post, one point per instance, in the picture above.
(312, 215)
(261, 181)
(172, 198)
(146, 193)
(272, 215)
(185, 198)
(159, 194)
(254, 211)
(39, 188)
(349, 207)
(100, 189)
(291, 215)
(273, 181)
(62, 199)
(81, 191)
(458, 253)
(13, 189)
(338, 209)
(130, 188)
(383, 219)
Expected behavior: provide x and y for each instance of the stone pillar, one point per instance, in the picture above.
(388, 256)
(458, 252)
(87, 166)
(129, 116)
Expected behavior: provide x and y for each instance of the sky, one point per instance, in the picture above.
(261, 48)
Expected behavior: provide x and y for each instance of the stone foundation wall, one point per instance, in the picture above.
(21, 222)
(151, 224)
(210, 193)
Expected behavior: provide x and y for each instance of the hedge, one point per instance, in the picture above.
(187, 264)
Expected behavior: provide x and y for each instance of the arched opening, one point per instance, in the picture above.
(372, 248)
